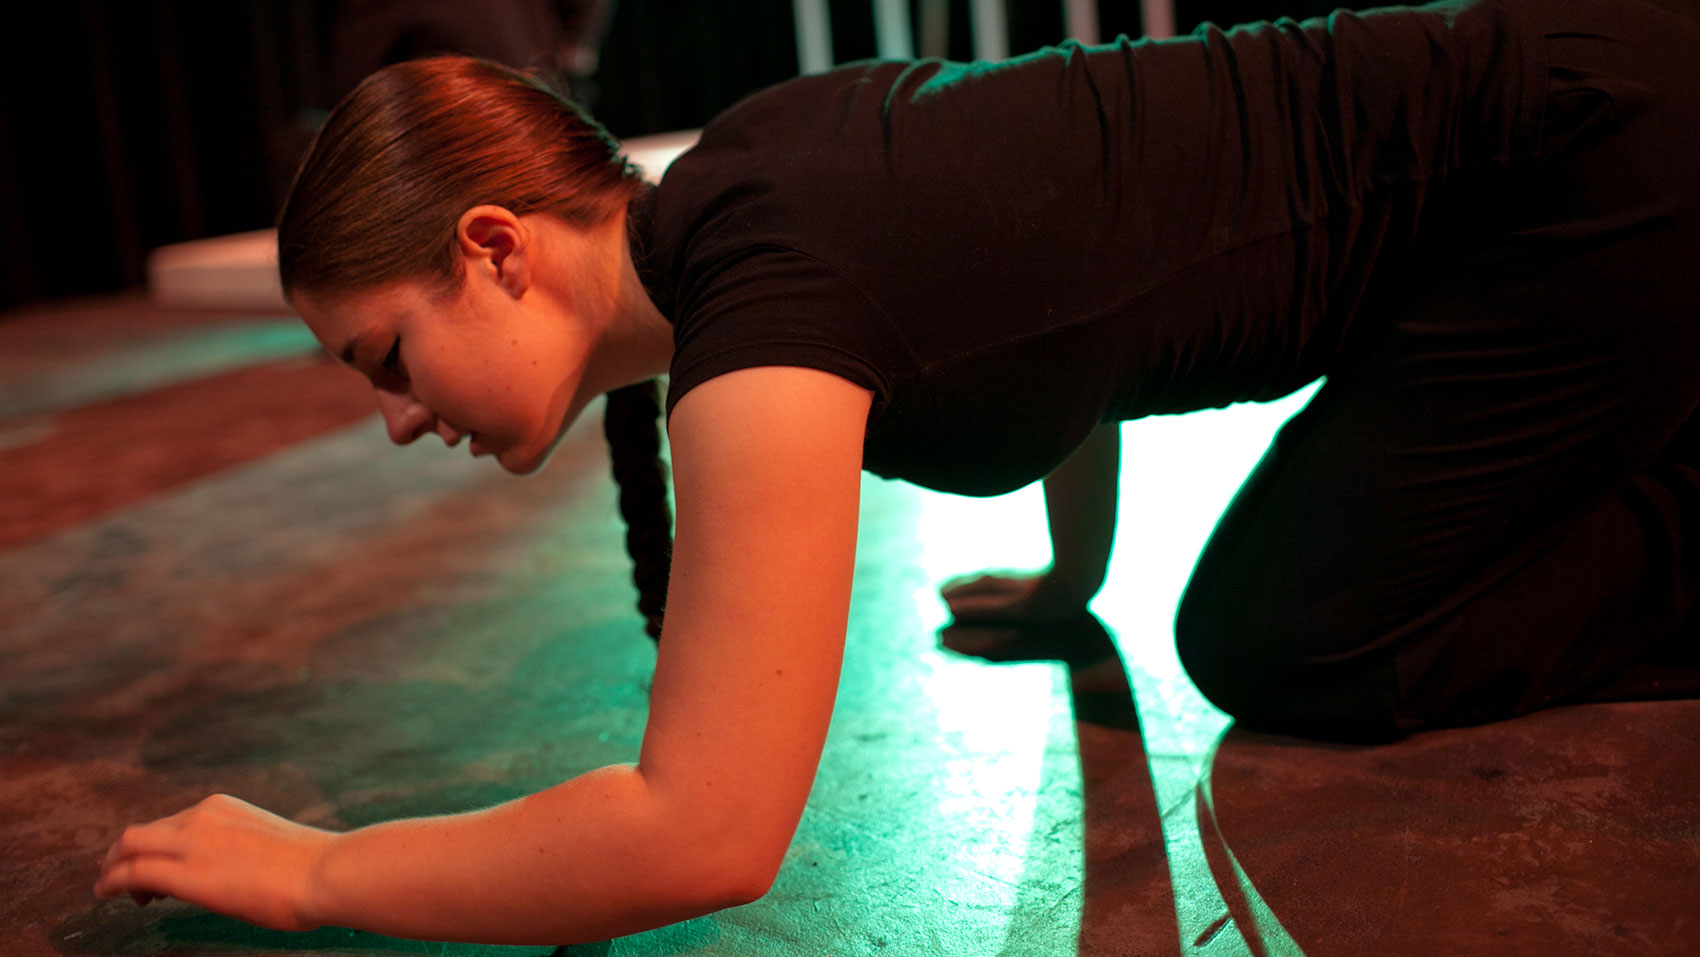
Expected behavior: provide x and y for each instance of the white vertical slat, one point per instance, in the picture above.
(814, 35)
(1080, 20)
(892, 35)
(935, 28)
(1157, 17)
(991, 29)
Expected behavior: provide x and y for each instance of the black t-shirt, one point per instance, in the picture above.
(1008, 254)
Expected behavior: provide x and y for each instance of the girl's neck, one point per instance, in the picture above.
(637, 344)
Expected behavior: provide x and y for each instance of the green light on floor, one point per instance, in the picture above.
(1178, 474)
(178, 357)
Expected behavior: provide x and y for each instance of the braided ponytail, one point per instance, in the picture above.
(632, 425)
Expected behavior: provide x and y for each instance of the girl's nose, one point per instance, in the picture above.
(405, 417)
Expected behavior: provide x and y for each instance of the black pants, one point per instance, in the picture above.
(1495, 505)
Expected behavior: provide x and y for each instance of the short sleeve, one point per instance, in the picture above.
(779, 307)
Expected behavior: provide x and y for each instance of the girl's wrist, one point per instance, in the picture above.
(1060, 594)
(1068, 584)
(316, 904)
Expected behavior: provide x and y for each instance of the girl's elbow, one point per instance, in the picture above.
(757, 878)
(725, 869)
(746, 890)
(748, 868)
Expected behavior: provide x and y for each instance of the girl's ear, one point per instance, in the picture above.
(494, 244)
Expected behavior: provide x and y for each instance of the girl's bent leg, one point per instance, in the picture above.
(1341, 597)
(1494, 504)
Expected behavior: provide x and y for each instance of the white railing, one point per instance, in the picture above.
(989, 25)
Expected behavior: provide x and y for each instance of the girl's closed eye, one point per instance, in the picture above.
(389, 374)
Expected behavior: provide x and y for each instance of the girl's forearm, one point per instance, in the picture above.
(596, 857)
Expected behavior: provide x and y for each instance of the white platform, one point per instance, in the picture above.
(240, 272)
(225, 272)
(653, 154)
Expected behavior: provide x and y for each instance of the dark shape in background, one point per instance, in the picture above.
(129, 125)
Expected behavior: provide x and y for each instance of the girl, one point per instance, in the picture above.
(1478, 219)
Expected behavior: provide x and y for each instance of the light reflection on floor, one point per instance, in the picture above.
(1178, 474)
(168, 357)
(1000, 715)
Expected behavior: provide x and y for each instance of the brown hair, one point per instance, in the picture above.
(419, 143)
(414, 146)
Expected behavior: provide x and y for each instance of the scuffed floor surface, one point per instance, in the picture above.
(217, 575)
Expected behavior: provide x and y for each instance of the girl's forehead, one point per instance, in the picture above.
(342, 323)
(349, 313)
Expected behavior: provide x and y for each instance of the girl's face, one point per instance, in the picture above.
(498, 370)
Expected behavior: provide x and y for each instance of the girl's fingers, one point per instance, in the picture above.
(977, 599)
(140, 856)
(992, 598)
(155, 838)
(962, 586)
(132, 875)
(981, 585)
(986, 609)
(965, 607)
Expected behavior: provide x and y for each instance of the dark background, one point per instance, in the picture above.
(129, 125)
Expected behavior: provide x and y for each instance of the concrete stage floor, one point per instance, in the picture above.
(216, 574)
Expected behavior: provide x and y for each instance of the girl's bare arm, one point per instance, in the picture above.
(767, 469)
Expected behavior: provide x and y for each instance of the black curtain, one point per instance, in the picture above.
(124, 126)
(129, 124)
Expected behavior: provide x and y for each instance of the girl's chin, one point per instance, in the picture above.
(521, 461)
(533, 451)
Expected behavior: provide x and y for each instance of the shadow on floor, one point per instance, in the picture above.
(1557, 833)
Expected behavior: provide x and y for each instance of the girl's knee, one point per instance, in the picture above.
(1256, 674)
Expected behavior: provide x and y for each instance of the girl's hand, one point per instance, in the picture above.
(223, 854)
(1019, 599)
